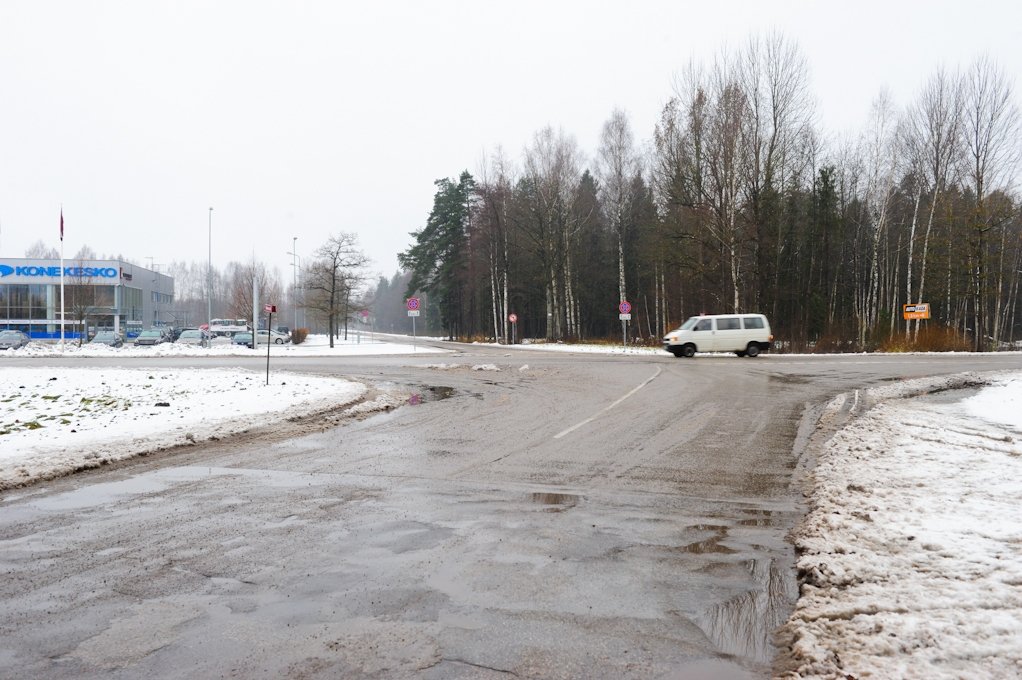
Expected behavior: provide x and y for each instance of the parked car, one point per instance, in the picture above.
(13, 339)
(744, 334)
(275, 337)
(108, 338)
(193, 336)
(150, 337)
(243, 338)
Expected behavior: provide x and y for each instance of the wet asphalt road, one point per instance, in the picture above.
(591, 516)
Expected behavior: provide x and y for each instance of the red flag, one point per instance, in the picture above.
(62, 223)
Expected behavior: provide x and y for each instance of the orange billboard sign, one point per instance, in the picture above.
(917, 311)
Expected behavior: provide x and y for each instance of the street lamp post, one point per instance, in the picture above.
(294, 271)
(209, 281)
(296, 263)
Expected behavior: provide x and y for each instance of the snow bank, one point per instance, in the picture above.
(911, 555)
(56, 421)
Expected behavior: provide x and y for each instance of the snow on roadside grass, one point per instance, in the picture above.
(911, 556)
(314, 345)
(55, 421)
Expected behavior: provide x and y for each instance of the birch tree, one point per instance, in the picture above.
(990, 127)
(617, 167)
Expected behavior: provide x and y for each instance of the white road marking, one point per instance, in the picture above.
(854, 403)
(607, 408)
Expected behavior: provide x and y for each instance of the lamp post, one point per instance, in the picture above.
(209, 281)
(294, 270)
(295, 263)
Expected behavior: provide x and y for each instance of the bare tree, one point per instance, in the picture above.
(990, 126)
(39, 250)
(241, 278)
(933, 144)
(618, 163)
(334, 278)
(552, 173)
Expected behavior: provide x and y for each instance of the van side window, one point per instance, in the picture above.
(728, 323)
(753, 322)
(704, 325)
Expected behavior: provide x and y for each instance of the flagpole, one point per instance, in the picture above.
(61, 278)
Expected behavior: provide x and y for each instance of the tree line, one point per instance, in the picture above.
(737, 203)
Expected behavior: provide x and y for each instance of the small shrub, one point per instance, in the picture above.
(929, 339)
(298, 335)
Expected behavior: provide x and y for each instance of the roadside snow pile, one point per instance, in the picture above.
(57, 420)
(911, 556)
(485, 367)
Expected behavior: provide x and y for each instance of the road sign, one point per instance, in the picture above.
(625, 307)
(412, 303)
(919, 311)
(413, 312)
(272, 309)
(365, 314)
(625, 317)
(513, 318)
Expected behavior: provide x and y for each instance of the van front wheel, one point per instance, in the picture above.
(688, 351)
(752, 350)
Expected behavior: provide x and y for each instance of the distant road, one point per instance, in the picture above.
(600, 516)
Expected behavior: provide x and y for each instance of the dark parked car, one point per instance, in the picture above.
(13, 339)
(108, 338)
(150, 337)
(243, 338)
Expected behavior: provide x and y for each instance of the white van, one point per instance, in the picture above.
(744, 334)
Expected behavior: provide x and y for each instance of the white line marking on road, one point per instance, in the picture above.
(604, 410)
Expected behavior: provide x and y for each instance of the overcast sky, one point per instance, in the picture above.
(304, 119)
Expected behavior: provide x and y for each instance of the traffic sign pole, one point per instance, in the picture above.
(625, 314)
(412, 305)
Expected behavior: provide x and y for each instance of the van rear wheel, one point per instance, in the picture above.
(752, 350)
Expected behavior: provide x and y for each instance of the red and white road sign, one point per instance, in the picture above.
(270, 308)
(412, 304)
(513, 318)
(625, 307)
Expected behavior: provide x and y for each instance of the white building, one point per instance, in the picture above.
(97, 294)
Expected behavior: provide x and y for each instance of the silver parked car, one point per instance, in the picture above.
(275, 337)
(13, 339)
(193, 336)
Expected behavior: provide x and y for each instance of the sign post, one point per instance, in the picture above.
(513, 318)
(269, 309)
(625, 314)
(412, 304)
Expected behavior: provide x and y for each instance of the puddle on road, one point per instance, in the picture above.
(558, 502)
(430, 393)
(742, 625)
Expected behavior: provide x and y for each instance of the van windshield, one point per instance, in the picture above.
(687, 326)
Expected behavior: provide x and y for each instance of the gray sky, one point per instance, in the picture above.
(309, 118)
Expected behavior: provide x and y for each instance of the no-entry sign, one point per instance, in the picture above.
(513, 318)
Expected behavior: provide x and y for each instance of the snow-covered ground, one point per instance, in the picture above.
(911, 552)
(357, 344)
(911, 555)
